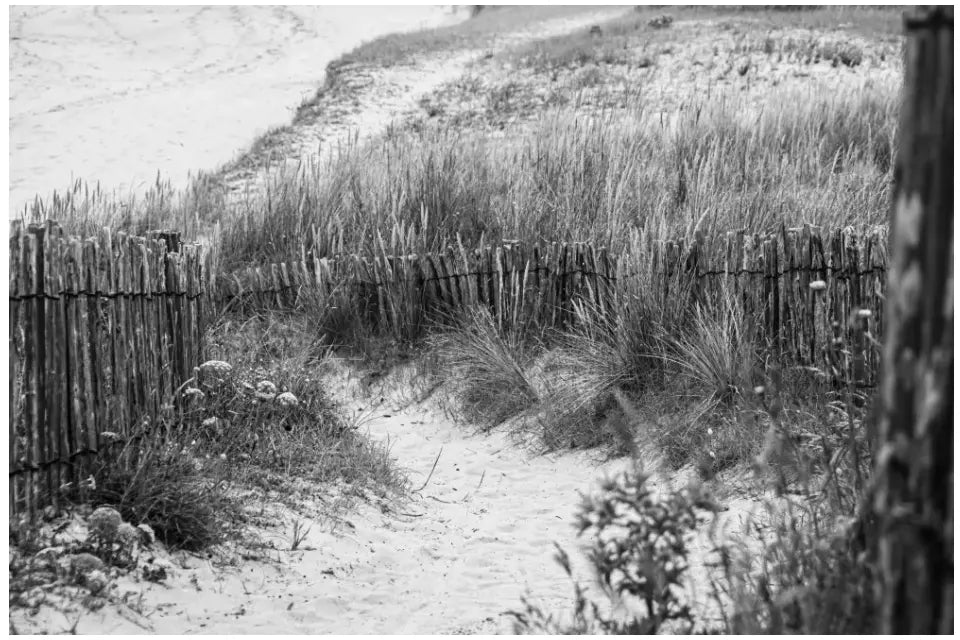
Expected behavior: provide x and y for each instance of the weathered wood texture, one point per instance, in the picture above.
(834, 328)
(102, 332)
(913, 502)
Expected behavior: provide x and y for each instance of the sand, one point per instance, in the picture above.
(455, 557)
(116, 94)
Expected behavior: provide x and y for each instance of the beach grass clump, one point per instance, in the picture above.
(488, 364)
(158, 478)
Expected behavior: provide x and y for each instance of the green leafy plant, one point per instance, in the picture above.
(639, 554)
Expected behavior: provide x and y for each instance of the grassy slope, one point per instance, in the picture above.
(725, 122)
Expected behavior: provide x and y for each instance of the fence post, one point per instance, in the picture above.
(914, 461)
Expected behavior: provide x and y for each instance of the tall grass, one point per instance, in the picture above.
(489, 367)
(718, 164)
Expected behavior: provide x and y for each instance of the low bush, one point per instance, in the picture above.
(802, 566)
(640, 555)
(166, 482)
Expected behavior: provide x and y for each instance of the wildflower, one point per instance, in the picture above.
(193, 393)
(110, 436)
(223, 456)
(759, 390)
(818, 285)
(287, 399)
(265, 386)
(90, 483)
(709, 431)
(864, 313)
(210, 423)
(104, 523)
(218, 367)
(127, 534)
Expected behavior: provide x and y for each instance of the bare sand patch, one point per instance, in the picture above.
(116, 94)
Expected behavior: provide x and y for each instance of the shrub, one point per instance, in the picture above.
(639, 553)
(804, 565)
(158, 479)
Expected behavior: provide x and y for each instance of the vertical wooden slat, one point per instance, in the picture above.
(33, 374)
(18, 382)
(75, 345)
(123, 377)
(58, 419)
(92, 327)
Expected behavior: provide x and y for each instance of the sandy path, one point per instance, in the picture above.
(117, 94)
(454, 558)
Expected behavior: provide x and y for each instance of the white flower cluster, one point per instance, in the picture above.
(218, 367)
(287, 399)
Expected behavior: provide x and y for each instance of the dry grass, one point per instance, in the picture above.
(488, 367)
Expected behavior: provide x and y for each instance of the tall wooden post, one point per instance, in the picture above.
(914, 456)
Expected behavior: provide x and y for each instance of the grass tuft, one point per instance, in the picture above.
(488, 367)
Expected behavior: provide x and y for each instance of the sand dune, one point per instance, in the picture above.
(117, 94)
(454, 558)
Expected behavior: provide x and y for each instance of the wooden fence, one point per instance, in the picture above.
(834, 327)
(398, 293)
(102, 332)
(769, 274)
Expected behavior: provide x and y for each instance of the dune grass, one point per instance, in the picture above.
(722, 162)
(720, 165)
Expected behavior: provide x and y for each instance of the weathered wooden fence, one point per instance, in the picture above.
(398, 293)
(832, 327)
(770, 275)
(102, 331)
